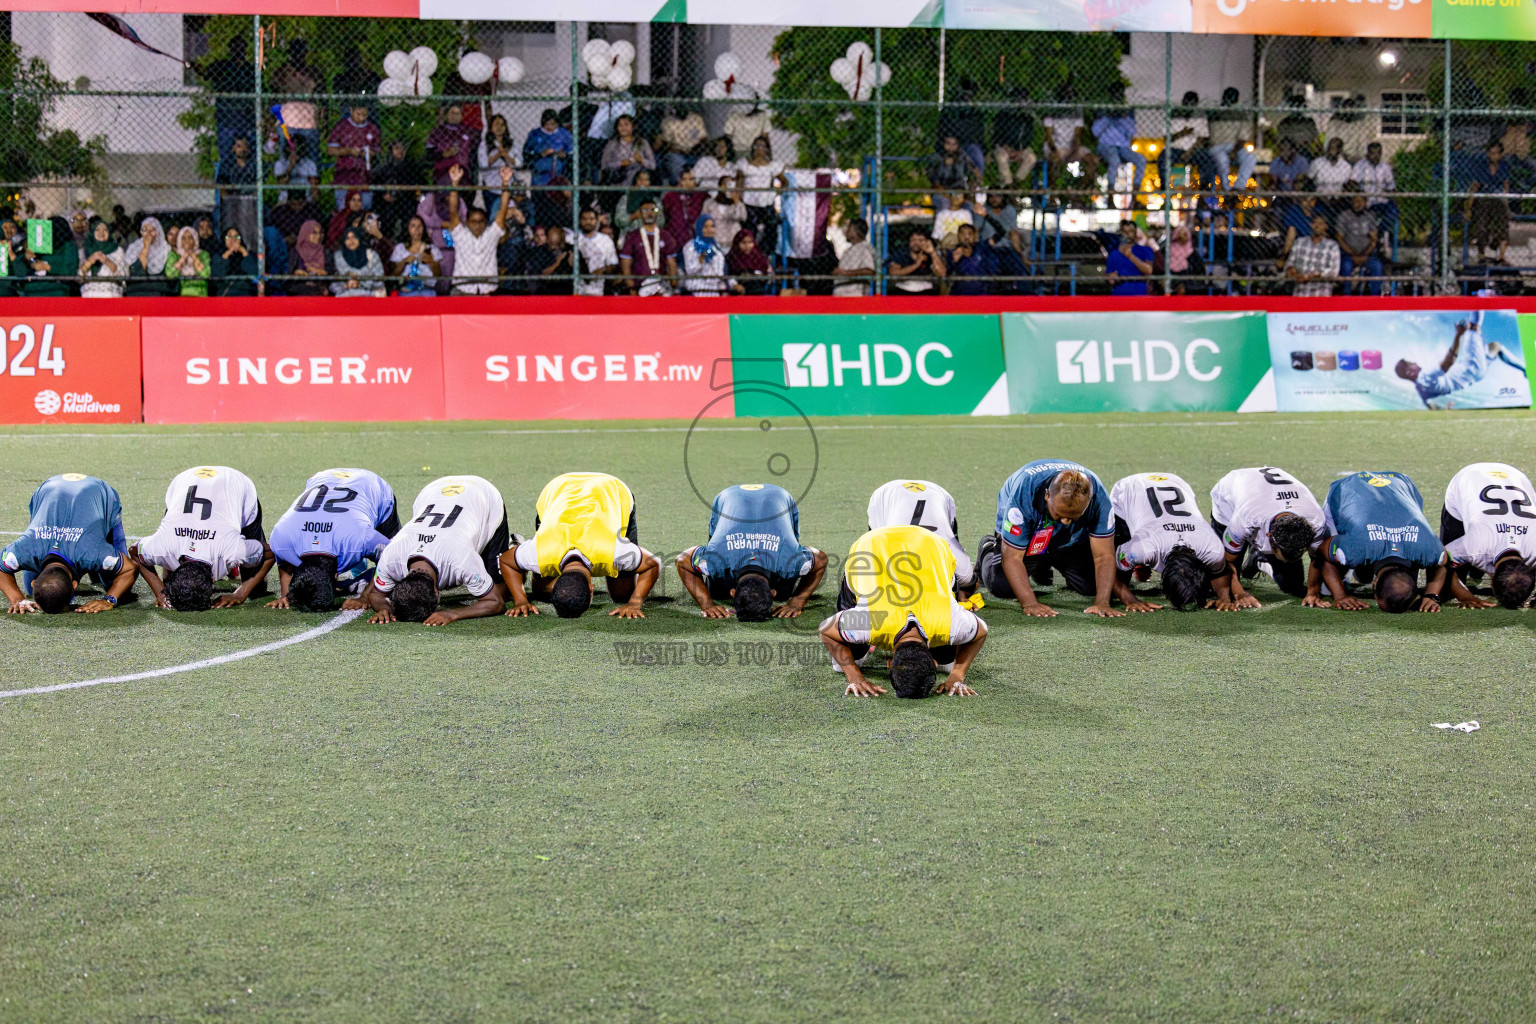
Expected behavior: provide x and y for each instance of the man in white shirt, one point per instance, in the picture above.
(926, 504)
(857, 261)
(1375, 177)
(1265, 514)
(475, 240)
(1331, 171)
(212, 527)
(599, 258)
(1158, 528)
(456, 536)
(1488, 524)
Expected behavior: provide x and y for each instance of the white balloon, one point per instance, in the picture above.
(596, 49)
(623, 52)
(842, 71)
(598, 67)
(423, 90)
(727, 66)
(620, 77)
(476, 68)
(510, 71)
(714, 89)
(397, 64)
(426, 61)
(390, 91)
(861, 49)
(885, 73)
(866, 90)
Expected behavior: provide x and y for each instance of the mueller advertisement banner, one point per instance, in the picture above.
(586, 367)
(884, 365)
(70, 370)
(1136, 362)
(265, 369)
(1402, 359)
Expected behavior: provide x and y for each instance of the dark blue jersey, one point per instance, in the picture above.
(753, 526)
(76, 519)
(1375, 516)
(1021, 510)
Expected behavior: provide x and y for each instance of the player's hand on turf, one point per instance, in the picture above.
(1316, 601)
(100, 604)
(1222, 606)
(353, 604)
(788, 610)
(1351, 604)
(164, 603)
(523, 609)
(22, 607)
(1039, 611)
(1429, 604)
(437, 619)
(281, 602)
(1473, 603)
(1247, 601)
(862, 688)
(1103, 611)
(228, 601)
(628, 611)
(716, 611)
(378, 618)
(955, 688)
(1143, 606)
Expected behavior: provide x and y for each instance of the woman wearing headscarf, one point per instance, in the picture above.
(748, 264)
(102, 264)
(52, 273)
(343, 218)
(704, 263)
(190, 265)
(433, 211)
(147, 256)
(308, 260)
(359, 267)
(626, 214)
(233, 270)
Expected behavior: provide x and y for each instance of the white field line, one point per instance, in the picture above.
(192, 666)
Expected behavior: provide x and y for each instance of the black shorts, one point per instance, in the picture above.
(391, 526)
(496, 547)
(1074, 562)
(720, 587)
(253, 530)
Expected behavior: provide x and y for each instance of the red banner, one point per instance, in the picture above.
(587, 367)
(70, 369)
(275, 369)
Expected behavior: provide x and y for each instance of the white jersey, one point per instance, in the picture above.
(1495, 505)
(206, 508)
(921, 503)
(452, 521)
(1162, 513)
(1245, 500)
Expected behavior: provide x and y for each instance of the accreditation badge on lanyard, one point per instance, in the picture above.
(1040, 541)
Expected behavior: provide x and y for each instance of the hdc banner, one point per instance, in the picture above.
(1441, 359)
(1136, 362)
(70, 370)
(274, 369)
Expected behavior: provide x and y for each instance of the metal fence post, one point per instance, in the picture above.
(1447, 278)
(576, 161)
(879, 204)
(1167, 160)
(258, 144)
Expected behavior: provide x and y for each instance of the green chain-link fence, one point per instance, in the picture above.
(1226, 153)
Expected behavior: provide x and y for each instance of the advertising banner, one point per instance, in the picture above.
(831, 365)
(1402, 19)
(1357, 361)
(1136, 362)
(279, 369)
(70, 370)
(1480, 19)
(586, 367)
(1070, 15)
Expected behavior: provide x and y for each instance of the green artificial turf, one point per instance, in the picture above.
(1171, 817)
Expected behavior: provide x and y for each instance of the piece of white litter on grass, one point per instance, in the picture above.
(1471, 726)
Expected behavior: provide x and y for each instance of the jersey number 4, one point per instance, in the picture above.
(1168, 506)
(203, 505)
(315, 498)
(436, 520)
(1518, 506)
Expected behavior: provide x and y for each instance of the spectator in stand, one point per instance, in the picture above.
(475, 239)
(452, 144)
(999, 232)
(1296, 221)
(147, 256)
(1375, 177)
(497, 150)
(1298, 127)
(726, 209)
(745, 127)
(355, 146)
(360, 271)
(685, 136)
(232, 73)
(748, 264)
(921, 272)
(858, 261)
(1188, 134)
(233, 269)
(207, 240)
(1287, 167)
(760, 173)
(1314, 261)
(1128, 263)
(291, 215)
(416, 261)
(300, 114)
(1065, 145)
(685, 205)
(599, 256)
(1231, 142)
(307, 261)
(397, 182)
(1115, 130)
(704, 270)
(79, 226)
(373, 235)
(237, 200)
(946, 223)
(717, 163)
(103, 268)
(547, 150)
(626, 154)
(1013, 140)
(963, 120)
(648, 252)
(189, 265)
(1331, 172)
(627, 215)
(122, 225)
(1487, 214)
(351, 207)
(1182, 259)
(550, 264)
(967, 265)
(950, 169)
(1355, 229)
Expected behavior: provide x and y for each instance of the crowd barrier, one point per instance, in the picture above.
(244, 360)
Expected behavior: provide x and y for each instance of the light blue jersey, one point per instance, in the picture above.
(340, 513)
